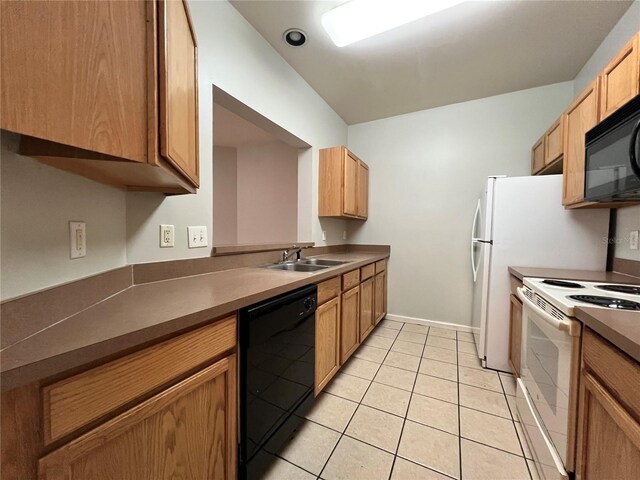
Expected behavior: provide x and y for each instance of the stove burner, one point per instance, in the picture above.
(562, 283)
(629, 289)
(607, 302)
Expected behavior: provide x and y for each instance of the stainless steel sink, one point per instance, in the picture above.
(296, 267)
(325, 262)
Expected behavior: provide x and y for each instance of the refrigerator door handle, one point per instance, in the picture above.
(474, 267)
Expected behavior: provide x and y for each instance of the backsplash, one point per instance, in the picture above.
(627, 221)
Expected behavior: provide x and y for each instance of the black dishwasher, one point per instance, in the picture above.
(277, 357)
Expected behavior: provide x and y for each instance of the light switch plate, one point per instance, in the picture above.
(197, 237)
(633, 240)
(77, 240)
(167, 236)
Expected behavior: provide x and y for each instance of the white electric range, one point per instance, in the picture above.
(547, 392)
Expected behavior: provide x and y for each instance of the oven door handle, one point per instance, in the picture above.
(563, 325)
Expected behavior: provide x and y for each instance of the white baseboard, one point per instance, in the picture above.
(430, 323)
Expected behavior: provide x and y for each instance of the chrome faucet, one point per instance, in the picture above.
(287, 253)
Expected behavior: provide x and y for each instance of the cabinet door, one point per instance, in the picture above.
(537, 156)
(609, 436)
(379, 295)
(186, 431)
(367, 322)
(363, 190)
(350, 185)
(349, 323)
(76, 73)
(553, 143)
(515, 335)
(619, 81)
(327, 343)
(580, 117)
(178, 78)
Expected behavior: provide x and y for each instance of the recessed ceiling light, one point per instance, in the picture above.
(295, 37)
(360, 19)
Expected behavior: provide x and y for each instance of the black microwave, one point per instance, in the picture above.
(612, 157)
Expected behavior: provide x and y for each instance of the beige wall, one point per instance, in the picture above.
(225, 196)
(628, 218)
(267, 193)
(124, 227)
(37, 203)
(427, 170)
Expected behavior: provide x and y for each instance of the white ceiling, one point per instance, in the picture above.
(473, 50)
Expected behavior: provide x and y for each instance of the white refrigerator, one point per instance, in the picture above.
(520, 221)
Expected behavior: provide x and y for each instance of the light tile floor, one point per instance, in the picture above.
(413, 402)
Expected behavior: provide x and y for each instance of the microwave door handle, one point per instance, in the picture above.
(635, 166)
(559, 324)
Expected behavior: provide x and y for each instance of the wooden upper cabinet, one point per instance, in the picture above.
(178, 88)
(537, 156)
(580, 117)
(620, 80)
(75, 73)
(107, 90)
(362, 206)
(553, 142)
(186, 431)
(343, 188)
(350, 186)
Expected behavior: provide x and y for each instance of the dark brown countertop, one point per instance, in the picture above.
(620, 327)
(586, 275)
(143, 313)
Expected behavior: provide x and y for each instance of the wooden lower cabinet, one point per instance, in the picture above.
(611, 436)
(515, 334)
(165, 411)
(186, 431)
(380, 296)
(367, 321)
(327, 360)
(609, 409)
(349, 323)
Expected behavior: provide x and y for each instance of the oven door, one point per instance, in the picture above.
(549, 370)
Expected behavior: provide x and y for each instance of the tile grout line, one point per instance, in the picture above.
(524, 455)
(354, 412)
(404, 420)
(459, 407)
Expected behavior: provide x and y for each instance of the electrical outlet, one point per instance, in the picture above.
(324, 234)
(166, 236)
(344, 234)
(197, 237)
(77, 240)
(633, 240)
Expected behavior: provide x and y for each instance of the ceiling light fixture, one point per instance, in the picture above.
(295, 37)
(359, 19)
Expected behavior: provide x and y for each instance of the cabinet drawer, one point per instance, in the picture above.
(328, 290)
(618, 372)
(367, 271)
(76, 401)
(381, 266)
(350, 280)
